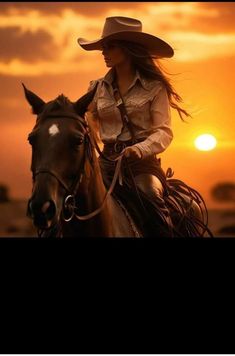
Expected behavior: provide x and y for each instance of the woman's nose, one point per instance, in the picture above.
(104, 49)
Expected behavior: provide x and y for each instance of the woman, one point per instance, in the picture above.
(147, 96)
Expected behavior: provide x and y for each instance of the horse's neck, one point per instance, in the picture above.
(93, 190)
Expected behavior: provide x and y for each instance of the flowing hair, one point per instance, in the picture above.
(150, 67)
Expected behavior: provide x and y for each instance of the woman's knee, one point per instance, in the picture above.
(149, 184)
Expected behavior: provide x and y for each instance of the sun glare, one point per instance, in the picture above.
(205, 142)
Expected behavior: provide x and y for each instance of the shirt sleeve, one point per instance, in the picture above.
(92, 107)
(162, 136)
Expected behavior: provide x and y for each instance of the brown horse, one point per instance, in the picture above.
(68, 196)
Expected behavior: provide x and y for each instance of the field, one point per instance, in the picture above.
(15, 223)
(13, 220)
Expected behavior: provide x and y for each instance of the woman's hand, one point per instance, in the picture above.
(132, 152)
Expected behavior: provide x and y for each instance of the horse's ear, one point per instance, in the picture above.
(81, 104)
(34, 100)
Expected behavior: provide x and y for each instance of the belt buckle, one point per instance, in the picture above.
(119, 102)
(119, 146)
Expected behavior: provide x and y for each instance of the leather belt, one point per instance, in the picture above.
(118, 146)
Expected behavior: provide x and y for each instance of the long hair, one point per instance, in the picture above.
(150, 67)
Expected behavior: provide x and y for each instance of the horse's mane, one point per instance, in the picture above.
(61, 103)
(94, 127)
(94, 135)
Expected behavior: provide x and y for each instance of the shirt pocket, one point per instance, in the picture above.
(110, 120)
(105, 106)
(139, 111)
(138, 104)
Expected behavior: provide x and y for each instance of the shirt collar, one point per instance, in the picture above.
(108, 78)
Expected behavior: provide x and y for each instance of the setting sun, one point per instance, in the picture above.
(205, 142)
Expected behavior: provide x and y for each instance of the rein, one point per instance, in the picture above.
(117, 175)
(108, 193)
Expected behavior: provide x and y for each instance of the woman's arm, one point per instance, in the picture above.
(92, 107)
(92, 113)
(158, 141)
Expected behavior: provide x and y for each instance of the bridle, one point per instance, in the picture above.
(69, 202)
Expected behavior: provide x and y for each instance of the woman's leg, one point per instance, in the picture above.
(153, 188)
(150, 185)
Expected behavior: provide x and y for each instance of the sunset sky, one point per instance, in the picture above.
(38, 46)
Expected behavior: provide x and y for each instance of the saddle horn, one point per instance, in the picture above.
(36, 103)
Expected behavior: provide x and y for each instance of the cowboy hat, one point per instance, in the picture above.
(128, 29)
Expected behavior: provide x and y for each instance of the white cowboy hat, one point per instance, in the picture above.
(128, 29)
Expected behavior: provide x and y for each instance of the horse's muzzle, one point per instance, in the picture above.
(42, 214)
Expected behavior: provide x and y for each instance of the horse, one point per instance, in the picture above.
(66, 174)
(69, 197)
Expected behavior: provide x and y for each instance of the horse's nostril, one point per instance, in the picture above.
(49, 209)
(45, 207)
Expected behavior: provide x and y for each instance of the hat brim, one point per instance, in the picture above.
(153, 44)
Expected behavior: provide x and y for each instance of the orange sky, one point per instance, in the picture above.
(38, 47)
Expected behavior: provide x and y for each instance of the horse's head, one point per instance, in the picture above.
(58, 143)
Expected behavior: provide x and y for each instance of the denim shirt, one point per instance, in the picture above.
(147, 107)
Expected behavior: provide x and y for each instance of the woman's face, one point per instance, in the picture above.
(113, 54)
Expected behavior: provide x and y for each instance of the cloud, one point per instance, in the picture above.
(26, 46)
(41, 38)
(194, 46)
(224, 22)
(175, 16)
(64, 28)
(17, 67)
(91, 9)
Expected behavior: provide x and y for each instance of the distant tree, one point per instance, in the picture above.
(4, 193)
(229, 229)
(224, 192)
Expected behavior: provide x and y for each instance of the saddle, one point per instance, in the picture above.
(149, 217)
(177, 217)
(148, 220)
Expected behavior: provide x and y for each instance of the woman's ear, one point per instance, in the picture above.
(36, 103)
(81, 104)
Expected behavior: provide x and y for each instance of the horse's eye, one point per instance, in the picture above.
(78, 140)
